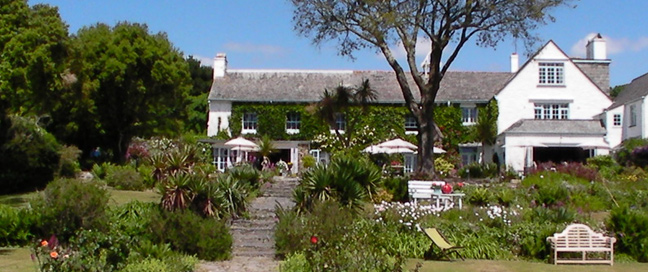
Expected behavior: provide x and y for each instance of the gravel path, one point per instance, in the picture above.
(253, 248)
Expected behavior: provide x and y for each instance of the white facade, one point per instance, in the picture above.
(219, 117)
(549, 86)
(517, 100)
(635, 121)
(614, 120)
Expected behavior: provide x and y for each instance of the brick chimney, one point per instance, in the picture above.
(220, 65)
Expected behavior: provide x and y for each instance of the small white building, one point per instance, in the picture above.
(629, 112)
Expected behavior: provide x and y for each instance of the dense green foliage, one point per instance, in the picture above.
(29, 158)
(349, 180)
(68, 205)
(207, 238)
(15, 226)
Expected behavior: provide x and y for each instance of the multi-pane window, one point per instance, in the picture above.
(340, 121)
(293, 121)
(551, 73)
(616, 120)
(633, 115)
(250, 121)
(410, 123)
(552, 111)
(469, 115)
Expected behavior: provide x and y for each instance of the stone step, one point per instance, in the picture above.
(253, 252)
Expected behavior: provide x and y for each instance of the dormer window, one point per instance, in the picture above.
(551, 73)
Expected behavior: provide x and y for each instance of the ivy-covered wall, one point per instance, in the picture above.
(387, 121)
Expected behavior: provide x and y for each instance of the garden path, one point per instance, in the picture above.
(253, 248)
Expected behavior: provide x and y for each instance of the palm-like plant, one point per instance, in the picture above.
(234, 196)
(176, 191)
(265, 146)
(207, 197)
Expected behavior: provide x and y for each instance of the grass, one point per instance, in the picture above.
(117, 197)
(16, 260)
(518, 266)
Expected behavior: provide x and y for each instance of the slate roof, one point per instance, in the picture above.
(308, 86)
(636, 89)
(534, 126)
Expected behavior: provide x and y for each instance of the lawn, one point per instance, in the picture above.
(16, 260)
(117, 197)
(518, 266)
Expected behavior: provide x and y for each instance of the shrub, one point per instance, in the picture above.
(69, 161)
(246, 174)
(477, 170)
(15, 226)
(479, 196)
(349, 180)
(628, 226)
(443, 167)
(606, 165)
(147, 265)
(185, 231)
(29, 157)
(295, 263)
(397, 186)
(529, 239)
(308, 161)
(328, 238)
(67, 205)
(124, 178)
(624, 155)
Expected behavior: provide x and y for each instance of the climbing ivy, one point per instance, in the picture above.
(387, 122)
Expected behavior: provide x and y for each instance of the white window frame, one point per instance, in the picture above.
(616, 120)
(410, 124)
(469, 115)
(633, 115)
(551, 73)
(340, 122)
(558, 111)
(250, 122)
(293, 122)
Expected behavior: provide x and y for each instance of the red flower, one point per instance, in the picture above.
(314, 239)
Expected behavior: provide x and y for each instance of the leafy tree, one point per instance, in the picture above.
(137, 84)
(447, 24)
(33, 45)
(201, 77)
(29, 157)
(617, 90)
(485, 129)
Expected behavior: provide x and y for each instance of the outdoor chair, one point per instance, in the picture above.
(446, 247)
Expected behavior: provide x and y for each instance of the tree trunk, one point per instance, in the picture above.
(426, 135)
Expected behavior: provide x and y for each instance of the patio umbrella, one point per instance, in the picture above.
(397, 143)
(242, 144)
(438, 150)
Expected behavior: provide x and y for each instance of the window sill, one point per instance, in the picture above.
(411, 132)
(292, 131)
(248, 131)
(551, 85)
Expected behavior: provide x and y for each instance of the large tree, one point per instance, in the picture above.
(33, 46)
(130, 83)
(448, 24)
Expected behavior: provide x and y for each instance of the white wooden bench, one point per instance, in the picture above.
(422, 189)
(581, 238)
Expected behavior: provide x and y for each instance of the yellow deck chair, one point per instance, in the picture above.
(446, 247)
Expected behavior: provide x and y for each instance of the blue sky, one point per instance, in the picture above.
(259, 34)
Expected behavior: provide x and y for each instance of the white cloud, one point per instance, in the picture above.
(264, 49)
(614, 46)
(422, 49)
(205, 61)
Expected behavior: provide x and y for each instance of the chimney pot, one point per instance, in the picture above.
(515, 66)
